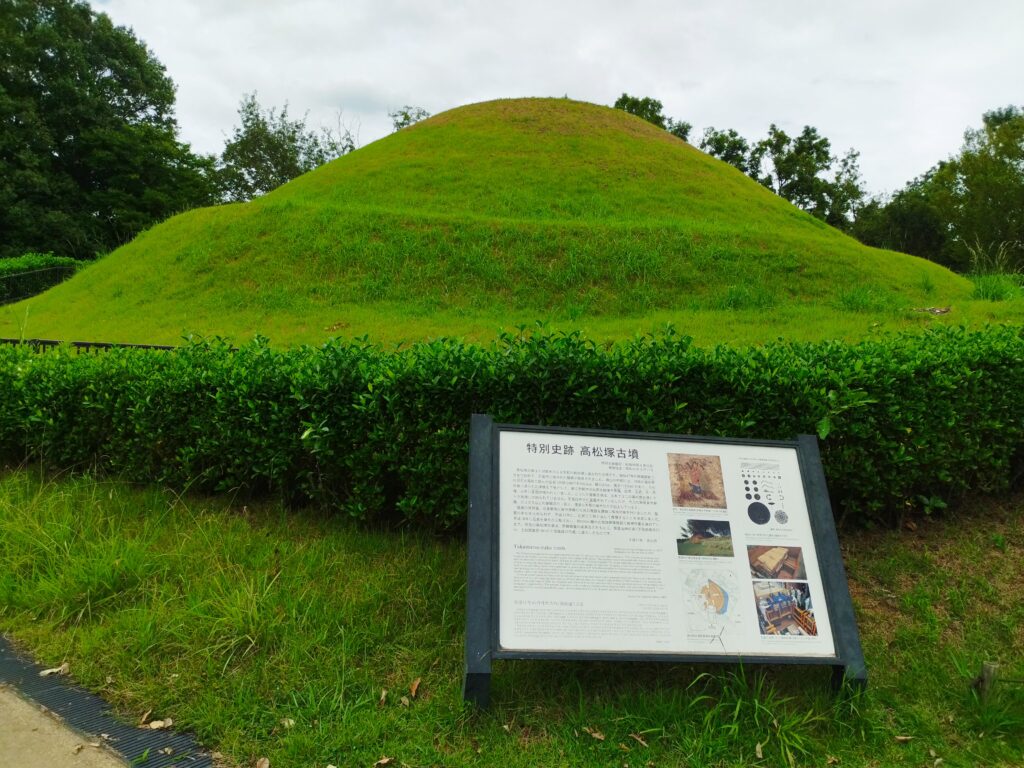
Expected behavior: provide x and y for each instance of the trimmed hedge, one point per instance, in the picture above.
(24, 276)
(906, 422)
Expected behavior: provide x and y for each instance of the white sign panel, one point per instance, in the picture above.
(611, 544)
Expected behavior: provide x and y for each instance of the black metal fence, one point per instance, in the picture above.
(24, 285)
(41, 345)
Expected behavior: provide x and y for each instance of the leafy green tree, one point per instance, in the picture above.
(678, 128)
(651, 110)
(727, 146)
(645, 108)
(405, 116)
(269, 149)
(981, 194)
(909, 222)
(88, 139)
(801, 169)
(967, 212)
(793, 167)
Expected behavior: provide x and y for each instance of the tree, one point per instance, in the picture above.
(269, 149)
(727, 146)
(966, 212)
(88, 139)
(650, 110)
(405, 116)
(793, 168)
(802, 170)
(645, 108)
(909, 222)
(981, 193)
(678, 128)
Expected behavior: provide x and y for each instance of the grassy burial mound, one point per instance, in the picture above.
(491, 215)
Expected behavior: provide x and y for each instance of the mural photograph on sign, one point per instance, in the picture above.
(617, 544)
(696, 481)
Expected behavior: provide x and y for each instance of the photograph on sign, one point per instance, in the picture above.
(620, 544)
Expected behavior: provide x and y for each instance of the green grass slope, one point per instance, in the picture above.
(492, 215)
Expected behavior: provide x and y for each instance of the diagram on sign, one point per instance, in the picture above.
(762, 490)
(696, 481)
(712, 613)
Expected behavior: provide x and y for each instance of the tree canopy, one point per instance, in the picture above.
(651, 110)
(802, 169)
(268, 149)
(966, 212)
(405, 116)
(88, 138)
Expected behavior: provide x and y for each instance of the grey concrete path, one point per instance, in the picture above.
(31, 737)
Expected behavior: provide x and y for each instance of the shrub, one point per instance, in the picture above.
(905, 421)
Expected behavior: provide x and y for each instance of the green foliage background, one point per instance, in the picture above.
(88, 139)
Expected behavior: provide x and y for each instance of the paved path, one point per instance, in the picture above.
(31, 737)
(43, 718)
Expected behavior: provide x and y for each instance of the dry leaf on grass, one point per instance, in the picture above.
(405, 701)
(758, 751)
(383, 697)
(145, 718)
(63, 669)
(903, 739)
(263, 762)
(383, 761)
(594, 733)
(287, 722)
(415, 687)
(638, 739)
(158, 725)
(832, 760)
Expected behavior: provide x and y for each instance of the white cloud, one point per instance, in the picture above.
(897, 81)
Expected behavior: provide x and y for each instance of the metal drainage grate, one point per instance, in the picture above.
(90, 714)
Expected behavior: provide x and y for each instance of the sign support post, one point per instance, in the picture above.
(476, 685)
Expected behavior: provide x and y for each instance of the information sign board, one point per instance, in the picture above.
(588, 544)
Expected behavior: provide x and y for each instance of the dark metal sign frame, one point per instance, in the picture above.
(482, 588)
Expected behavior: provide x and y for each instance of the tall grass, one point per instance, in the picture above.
(299, 636)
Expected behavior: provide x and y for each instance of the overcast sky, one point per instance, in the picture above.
(897, 80)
